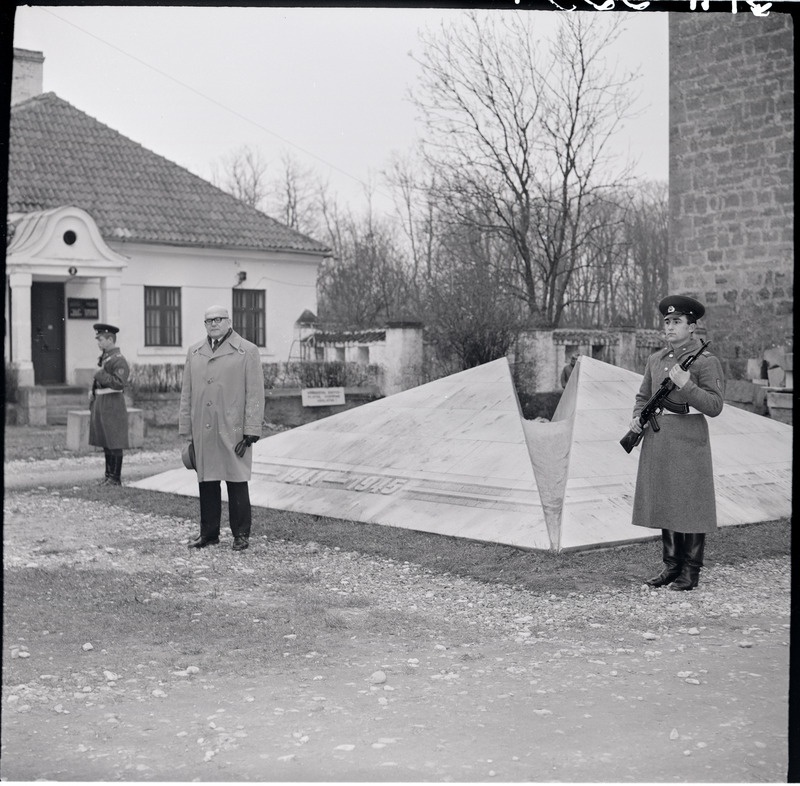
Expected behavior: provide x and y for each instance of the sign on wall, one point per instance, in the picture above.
(82, 308)
(322, 397)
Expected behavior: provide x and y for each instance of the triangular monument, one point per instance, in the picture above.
(455, 457)
(448, 457)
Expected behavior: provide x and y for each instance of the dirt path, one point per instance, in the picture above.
(495, 685)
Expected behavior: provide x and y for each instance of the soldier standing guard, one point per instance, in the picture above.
(675, 481)
(108, 422)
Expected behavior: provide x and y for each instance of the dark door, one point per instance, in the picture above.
(47, 333)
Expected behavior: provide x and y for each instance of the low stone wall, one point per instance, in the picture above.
(283, 407)
(159, 409)
(780, 405)
(746, 395)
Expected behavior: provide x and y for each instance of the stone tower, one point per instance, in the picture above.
(731, 194)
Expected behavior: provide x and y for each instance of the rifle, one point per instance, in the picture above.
(655, 406)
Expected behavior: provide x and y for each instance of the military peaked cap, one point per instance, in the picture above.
(680, 304)
(100, 327)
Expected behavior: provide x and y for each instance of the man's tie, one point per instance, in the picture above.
(215, 345)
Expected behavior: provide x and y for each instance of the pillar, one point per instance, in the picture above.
(626, 354)
(403, 361)
(21, 351)
(109, 299)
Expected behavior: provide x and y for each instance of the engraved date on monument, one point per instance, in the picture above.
(326, 478)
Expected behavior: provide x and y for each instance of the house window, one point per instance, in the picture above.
(162, 316)
(363, 356)
(249, 315)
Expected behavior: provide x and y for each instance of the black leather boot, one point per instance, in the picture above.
(672, 543)
(115, 478)
(693, 547)
(107, 477)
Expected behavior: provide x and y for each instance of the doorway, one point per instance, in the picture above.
(47, 333)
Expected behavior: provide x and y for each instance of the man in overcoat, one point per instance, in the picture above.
(221, 412)
(675, 481)
(108, 419)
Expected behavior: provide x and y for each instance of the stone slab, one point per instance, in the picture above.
(78, 428)
(456, 458)
(448, 457)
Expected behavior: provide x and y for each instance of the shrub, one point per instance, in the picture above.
(156, 378)
(273, 376)
(539, 405)
(319, 374)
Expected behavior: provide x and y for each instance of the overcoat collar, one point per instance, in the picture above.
(690, 345)
(233, 343)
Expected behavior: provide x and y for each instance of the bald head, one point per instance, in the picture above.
(216, 311)
(217, 321)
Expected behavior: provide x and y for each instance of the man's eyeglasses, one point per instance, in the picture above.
(214, 320)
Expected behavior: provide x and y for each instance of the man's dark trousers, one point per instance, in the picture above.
(211, 508)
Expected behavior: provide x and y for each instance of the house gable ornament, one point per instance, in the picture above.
(61, 242)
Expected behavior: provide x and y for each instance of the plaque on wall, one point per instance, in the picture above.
(82, 308)
(322, 397)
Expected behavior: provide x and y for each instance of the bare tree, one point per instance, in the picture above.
(365, 282)
(296, 195)
(243, 173)
(648, 227)
(521, 128)
(622, 272)
(416, 208)
(471, 316)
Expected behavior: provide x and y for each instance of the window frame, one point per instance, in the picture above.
(249, 319)
(169, 323)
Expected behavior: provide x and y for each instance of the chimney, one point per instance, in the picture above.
(27, 75)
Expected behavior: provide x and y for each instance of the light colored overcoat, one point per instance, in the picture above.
(108, 419)
(675, 481)
(222, 400)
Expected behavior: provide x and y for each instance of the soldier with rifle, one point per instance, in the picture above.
(675, 482)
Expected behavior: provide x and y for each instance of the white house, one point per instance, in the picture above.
(102, 229)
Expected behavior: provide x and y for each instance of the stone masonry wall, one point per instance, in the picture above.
(731, 174)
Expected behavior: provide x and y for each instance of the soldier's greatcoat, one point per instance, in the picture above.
(222, 399)
(108, 422)
(675, 482)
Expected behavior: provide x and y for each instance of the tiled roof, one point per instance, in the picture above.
(329, 337)
(308, 317)
(60, 156)
(584, 336)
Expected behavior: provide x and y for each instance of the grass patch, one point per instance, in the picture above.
(489, 562)
(38, 443)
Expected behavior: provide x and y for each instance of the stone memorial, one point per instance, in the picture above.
(455, 457)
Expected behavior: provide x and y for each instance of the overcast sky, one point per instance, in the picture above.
(328, 84)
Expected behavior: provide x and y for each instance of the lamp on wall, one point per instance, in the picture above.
(73, 271)
(242, 276)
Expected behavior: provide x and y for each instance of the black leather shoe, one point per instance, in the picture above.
(666, 576)
(201, 542)
(687, 581)
(240, 543)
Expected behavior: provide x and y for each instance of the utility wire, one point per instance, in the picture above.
(213, 101)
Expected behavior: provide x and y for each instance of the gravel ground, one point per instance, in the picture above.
(763, 588)
(496, 682)
(43, 466)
